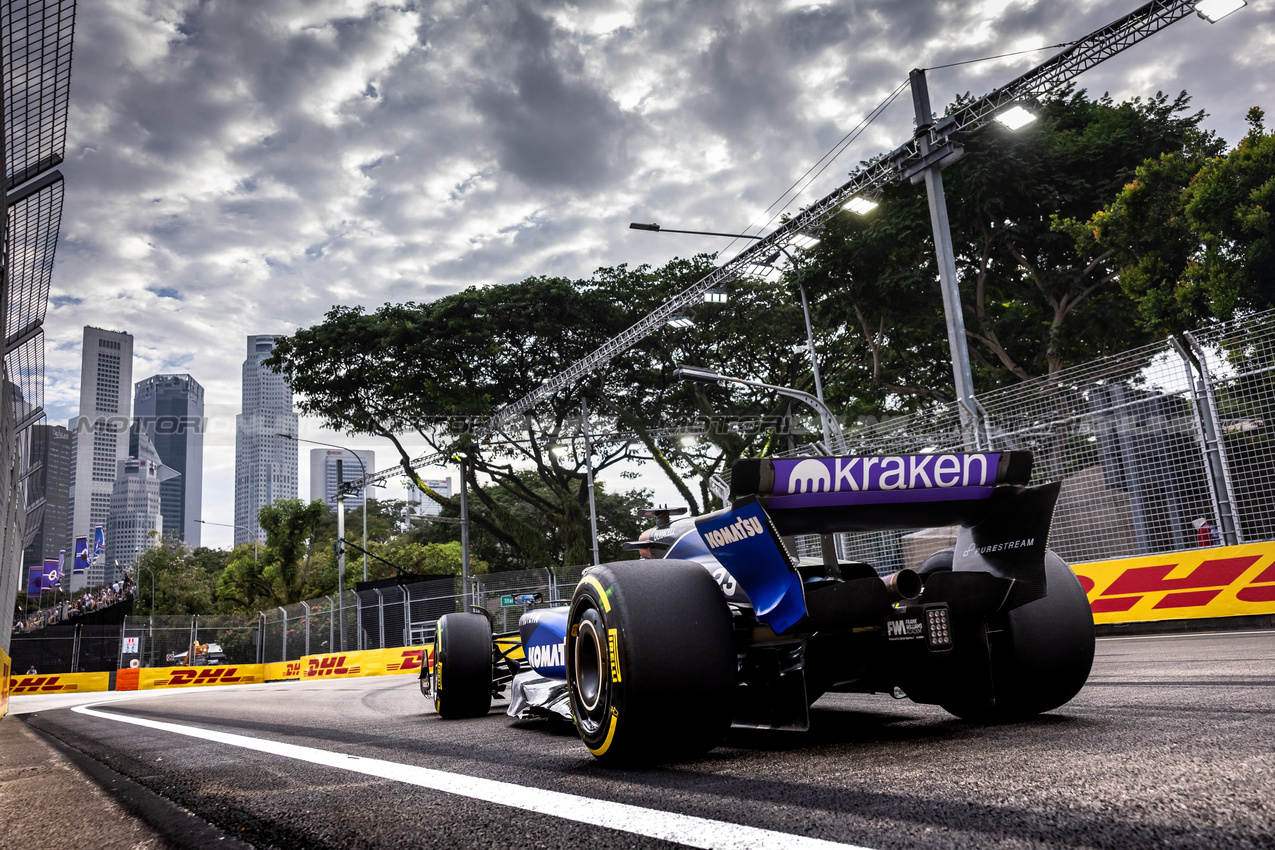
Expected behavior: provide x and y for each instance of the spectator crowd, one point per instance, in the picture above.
(91, 600)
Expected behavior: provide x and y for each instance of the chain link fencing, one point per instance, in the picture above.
(1158, 449)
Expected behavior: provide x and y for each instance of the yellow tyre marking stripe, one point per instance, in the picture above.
(606, 745)
(602, 591)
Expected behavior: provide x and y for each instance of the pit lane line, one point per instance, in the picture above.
(650, 823)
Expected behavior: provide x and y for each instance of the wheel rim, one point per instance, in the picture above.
(588, 664)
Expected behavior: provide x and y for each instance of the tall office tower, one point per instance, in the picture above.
(265, 463)
(137, 521)
(170, 408)
(99, 434)
(323, 477)
(418, 504)
(48, 521)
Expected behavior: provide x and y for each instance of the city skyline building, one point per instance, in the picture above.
(170, 409)
(418, 504)
(99, 431)
(324, 480)
(136, 519)
(48, 515)
(265, 463)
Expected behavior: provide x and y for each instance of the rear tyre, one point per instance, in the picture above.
(650, 661)
(462, 666)
(1042, 653)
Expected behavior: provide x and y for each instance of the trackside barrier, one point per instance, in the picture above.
(278, 671)
(5, 664)
(368, 662)
(150, 678)
(65, 683)
(1224, 581)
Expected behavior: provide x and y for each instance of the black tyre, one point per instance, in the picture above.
(939, 562)
(462, 666)
(1042, 652)
(650, 661)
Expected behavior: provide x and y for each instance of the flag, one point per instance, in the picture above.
(99, 541)
(52, 575)
(81, 563)
(35, 581)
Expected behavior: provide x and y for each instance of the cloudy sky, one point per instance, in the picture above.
(237, 167)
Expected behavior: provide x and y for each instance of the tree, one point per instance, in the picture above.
(185, 579)
(1192, 233)
(1031, 305)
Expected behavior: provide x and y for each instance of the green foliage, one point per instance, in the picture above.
(185, 580)
(1191, 234)
(1031, 304)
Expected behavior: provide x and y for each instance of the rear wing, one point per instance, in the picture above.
(826, 495)
(1004, 524)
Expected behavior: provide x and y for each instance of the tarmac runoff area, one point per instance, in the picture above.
(545, 790)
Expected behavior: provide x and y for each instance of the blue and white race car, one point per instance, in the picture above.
(719, 625)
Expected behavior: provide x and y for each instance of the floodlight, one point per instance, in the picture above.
(1015, 117)
(681, 322)
(715, 296)
(695, 373)
(634, 225)
(862, 206)
(1215, 10)
(804, 242)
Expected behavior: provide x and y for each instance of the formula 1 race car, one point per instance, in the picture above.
(719, 625)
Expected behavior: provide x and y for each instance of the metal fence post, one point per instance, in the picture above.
(331, 624)
(359, 641)
(306, 606)
(407, 614)
(285, 633)
(1208, 444)
(1232, 533)
(380, 615)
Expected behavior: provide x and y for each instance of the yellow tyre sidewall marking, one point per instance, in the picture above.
(602, 593)
(606, 745)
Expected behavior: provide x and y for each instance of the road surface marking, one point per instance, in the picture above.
(650, 823)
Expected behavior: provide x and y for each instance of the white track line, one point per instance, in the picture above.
(650, 823)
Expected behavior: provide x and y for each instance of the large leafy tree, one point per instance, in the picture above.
(1192, 234)
(1031, 305)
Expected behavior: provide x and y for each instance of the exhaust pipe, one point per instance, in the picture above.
(903, 586)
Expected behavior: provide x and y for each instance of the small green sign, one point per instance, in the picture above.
(507, 601)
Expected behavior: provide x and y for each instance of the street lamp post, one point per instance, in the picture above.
(340, 484)
(707, 376)
(240, 527)
(824, 420)
(231, 525)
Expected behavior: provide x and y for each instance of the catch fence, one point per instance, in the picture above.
(1158, 449)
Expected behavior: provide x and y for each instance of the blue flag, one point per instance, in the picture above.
(99, 541)
(52, 575)
(35, 581)
(81, 563)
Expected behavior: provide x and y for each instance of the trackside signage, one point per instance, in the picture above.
(367, 662)
(65, 683)
(875, 480)
(1228, 581)
(279, 670)
(149, 678)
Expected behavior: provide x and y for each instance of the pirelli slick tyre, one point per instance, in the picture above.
(1042, 652)
(462, 666)
(650, 661)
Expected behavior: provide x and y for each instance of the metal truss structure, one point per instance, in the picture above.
(904, 162)
(36, 38)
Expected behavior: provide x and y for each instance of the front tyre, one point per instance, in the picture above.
(650, 661)
(462, 666)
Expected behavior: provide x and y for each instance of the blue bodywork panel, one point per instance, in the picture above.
(544, 639)
(744, 541)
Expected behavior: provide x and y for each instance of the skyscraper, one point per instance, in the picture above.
(99, 434)
(48, 519)
(136, 522)
(265, 463)
(170, 409)
(323, 477)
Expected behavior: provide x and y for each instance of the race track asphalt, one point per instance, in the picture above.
(1171, 744)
